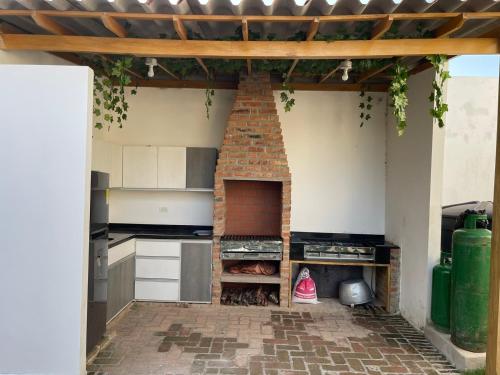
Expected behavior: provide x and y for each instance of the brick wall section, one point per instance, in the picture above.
(252, 149)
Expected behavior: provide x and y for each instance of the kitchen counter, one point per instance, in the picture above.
(120, 233)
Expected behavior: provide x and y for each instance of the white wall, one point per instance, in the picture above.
(33, 58)
(45, 122)
(470, 143)
(413, 198)
(338, 168)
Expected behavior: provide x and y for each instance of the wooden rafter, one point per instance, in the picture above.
(382, 27)
(374, 72)
(254, 18)
(232, 85)
(452, 25)
(313, 30)
(166, 70)
(341, 49)
(48, 24)
(112, 25)
(181, 31)
(244, 30)
(331, 73)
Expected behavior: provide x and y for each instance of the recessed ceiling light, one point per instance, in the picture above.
(235, 2)
(143, 1)
(300, 3)
(364, 2)
(267, 2)
(174, 2)
(331, 2)
(397, 1)
(203, 2)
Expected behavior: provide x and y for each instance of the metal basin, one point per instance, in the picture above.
(355, 292)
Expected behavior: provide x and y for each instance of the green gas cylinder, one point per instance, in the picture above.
(471, 249)
(441, 289)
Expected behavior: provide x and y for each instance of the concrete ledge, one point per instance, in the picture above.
(461, 359)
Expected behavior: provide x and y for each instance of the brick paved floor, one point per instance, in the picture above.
(328, 338)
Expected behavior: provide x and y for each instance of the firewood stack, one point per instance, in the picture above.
(258, 296)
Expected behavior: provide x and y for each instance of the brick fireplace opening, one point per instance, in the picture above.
(253, 189)
(253, 208)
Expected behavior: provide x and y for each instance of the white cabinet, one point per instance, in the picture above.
(107, 157)
(171, 167)
(140, 167)
(157, 269)
(115, 177)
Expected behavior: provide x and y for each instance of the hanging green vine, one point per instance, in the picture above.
(286, 95)
(110, 79)
(366, 107)
(439, 107)
(209, 94)
(398, 91)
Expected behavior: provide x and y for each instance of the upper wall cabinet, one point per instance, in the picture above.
(107, 157)
(171, 167)
(140, 167)
(200, 167)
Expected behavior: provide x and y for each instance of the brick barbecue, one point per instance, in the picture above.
(252, 179)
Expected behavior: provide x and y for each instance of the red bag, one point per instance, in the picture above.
(305, 288)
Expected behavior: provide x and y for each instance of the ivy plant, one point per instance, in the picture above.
(398, 91)
(366, 106)
(439, 107)
(286, 95)
(110, 79)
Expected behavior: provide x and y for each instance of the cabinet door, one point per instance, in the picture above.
(200, 167)
(101, 156)
(196, 272)
(156, 290)
(140, 167)
(121, 282)
(171, 167)
(115, 178)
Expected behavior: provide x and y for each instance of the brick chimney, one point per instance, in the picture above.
(252, 178)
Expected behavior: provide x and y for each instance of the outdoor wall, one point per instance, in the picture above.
(470, 141)
(413, 198)
(338, 168)
(33, 58)
(45, 122)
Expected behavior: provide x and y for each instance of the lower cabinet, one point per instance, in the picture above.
(196, 271)
(120, 285)
(173, 270)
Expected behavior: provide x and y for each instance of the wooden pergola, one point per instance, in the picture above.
(58, 38)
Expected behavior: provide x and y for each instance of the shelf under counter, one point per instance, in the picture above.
(243, 278)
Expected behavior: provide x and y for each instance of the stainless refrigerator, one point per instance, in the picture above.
(98, 259)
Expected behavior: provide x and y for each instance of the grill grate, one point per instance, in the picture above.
(235, 237)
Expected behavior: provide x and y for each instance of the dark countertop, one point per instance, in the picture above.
(120, 233)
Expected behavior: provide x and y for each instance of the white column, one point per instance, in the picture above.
(45, 127)
(413, 197)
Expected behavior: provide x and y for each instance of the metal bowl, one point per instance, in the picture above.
(355, 292)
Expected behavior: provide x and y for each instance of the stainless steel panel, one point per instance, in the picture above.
(196, 272)
(200, 167)
(121, 279)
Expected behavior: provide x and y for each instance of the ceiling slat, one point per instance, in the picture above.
(374, 72)
(313, 30)
(244, 29)
(450, 26)
(48, 24)
(382, 27)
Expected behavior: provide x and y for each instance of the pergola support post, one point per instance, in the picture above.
(493, 348)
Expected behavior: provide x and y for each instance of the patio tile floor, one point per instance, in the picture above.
(154, 338)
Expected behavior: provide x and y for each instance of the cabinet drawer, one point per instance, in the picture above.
(161, 248)
(157, 290)
(159, 268)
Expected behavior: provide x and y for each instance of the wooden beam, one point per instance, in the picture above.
(164, 68)
(450, 27)
(382, 27)
(49, 24)
(233, 85)
(493, 347)
(341, 49)
(313, 30)
(244, 30)
(181, 31)
(250, 18)
(112, 25)
(331, 73)
(373, 72)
